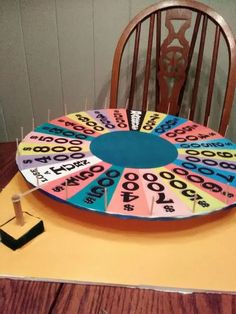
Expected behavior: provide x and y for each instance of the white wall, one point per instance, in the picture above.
(55, 51)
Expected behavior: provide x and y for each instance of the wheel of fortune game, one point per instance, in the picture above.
(128, 163)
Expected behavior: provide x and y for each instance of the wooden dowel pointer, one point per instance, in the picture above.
(17, 209)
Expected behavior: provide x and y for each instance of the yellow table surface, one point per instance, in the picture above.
(83, 246)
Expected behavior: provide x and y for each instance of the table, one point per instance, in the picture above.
(42, 297)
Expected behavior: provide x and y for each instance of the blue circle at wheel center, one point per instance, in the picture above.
(132, 149)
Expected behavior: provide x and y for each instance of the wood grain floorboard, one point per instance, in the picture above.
(26, 297)
(119, 300)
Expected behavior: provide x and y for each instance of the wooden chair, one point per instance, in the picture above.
(179, 59)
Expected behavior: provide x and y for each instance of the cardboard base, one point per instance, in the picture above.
(81, 246)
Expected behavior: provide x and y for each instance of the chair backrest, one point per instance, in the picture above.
(178, 59)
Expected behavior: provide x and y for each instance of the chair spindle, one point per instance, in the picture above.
(199, 66)
(148, 62)
(134, 66)
(212, 73)
(158, 47)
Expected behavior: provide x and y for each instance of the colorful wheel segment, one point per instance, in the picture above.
(131, 164)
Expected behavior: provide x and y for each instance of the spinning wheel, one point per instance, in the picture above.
(131, 163)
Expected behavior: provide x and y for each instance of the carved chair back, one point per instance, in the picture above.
(178, 59)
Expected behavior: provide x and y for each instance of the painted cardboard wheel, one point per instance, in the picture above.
(131, 164)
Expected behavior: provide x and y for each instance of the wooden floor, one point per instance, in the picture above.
(40, 297)
(18, 296)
